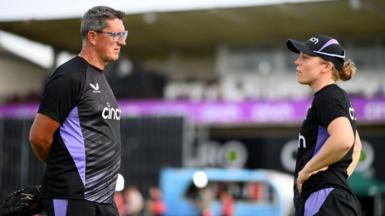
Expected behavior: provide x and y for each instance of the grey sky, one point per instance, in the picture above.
(12, 10)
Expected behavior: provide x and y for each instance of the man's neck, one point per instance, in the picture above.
(92, 58)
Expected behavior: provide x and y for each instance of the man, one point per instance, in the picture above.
(76, 131)
(329, 144)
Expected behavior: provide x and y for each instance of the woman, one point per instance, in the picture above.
(329, 145)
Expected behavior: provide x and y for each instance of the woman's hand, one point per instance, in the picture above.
(304, 175)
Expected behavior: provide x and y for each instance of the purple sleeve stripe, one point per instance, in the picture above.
(72, 136)
(322, 136)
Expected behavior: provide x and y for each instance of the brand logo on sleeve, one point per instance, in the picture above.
(111, 112)
(352, 113)
(301, 141)
(95, 88)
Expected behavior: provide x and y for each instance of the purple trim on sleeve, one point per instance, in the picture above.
(60, 207)
(72, 136)
(314, 202)
(322, 136)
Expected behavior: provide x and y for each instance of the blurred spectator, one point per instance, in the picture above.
(120, 204)
(255, 191)
(30, 97)
(227, 201)
(134, 201)
(204, 201)
(155, 204)
(212, 90)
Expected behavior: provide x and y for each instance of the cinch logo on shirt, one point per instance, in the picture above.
(111, 112)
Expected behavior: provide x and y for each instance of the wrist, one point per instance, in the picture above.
(306, 170)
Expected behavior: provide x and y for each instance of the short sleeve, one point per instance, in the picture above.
(60, 96)
(328, 109)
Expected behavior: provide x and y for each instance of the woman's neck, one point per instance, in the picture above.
(316, 86)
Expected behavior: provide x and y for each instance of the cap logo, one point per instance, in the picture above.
(314, 40)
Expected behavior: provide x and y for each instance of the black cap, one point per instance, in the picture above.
(323, 46)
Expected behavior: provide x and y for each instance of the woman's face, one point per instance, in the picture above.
(308, 68)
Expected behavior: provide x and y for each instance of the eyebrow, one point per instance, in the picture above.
(308, 55)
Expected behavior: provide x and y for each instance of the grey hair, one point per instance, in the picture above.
(95, 19)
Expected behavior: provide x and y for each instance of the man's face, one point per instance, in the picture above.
(107, 45)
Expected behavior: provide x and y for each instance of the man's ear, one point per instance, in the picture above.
(91, 36)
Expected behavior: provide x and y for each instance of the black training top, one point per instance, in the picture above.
(85, 156)
(328, 104)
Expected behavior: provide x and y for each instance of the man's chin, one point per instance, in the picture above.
(113, 58)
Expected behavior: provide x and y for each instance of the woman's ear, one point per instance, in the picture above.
(328, 66)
